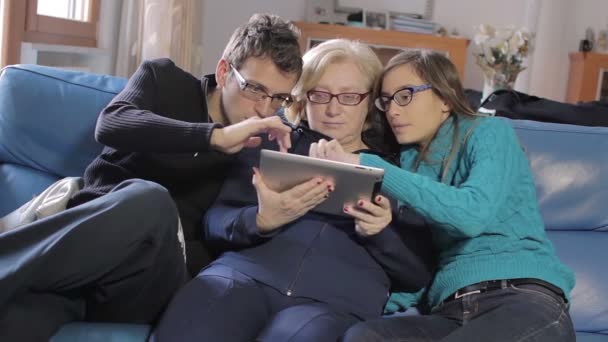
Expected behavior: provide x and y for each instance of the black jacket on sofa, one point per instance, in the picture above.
(520, 106)
(318, 256)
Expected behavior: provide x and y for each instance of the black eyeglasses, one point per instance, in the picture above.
(347, 99)
(257, 93)
(402, 97)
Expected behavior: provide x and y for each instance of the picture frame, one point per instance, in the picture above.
(375, 20)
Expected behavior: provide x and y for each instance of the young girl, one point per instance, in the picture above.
(498, 278)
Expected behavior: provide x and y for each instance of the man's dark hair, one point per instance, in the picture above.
(266, 36)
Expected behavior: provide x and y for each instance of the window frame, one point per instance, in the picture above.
(22, 23)
(52, 30)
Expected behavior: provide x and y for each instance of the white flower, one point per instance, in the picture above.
(501, 50)
(485, 33)
(518, 41)
(480, 39)
(487, 51)
(504, 34)
(487, 30)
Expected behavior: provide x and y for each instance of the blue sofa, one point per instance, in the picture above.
(47, 118)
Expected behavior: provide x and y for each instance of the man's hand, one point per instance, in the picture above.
(277, 209)
(231, 139)
(370, 218)
(332, 150)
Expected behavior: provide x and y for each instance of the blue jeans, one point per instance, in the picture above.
(516, 313)
(221, 304)
(116, 258)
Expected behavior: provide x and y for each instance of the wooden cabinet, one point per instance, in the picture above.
(386, 43)
(588, 79)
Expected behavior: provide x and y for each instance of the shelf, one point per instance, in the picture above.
(385, 40)
(587, 77)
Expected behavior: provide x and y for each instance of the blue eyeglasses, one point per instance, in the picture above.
(402, 97)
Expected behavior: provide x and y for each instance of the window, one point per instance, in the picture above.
(66, 22)
(66, 9)
(63, 22)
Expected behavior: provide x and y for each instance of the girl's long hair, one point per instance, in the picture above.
(438, 71)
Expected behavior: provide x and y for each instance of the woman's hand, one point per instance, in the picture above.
(332, 150)
(277, 209)
(370, 217)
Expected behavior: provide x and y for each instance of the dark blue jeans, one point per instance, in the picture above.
(221, 304)
(516, 313)
(116, 258)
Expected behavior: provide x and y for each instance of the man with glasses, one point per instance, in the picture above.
(114, 254)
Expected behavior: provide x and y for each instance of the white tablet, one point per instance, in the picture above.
(282, 171)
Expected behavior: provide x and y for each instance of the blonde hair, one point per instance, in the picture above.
(316, 61)
(437, 70)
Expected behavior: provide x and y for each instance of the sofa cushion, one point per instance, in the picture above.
(20, 184)
(47, 120)
(570, 166)
(585, 254)
(587, 337)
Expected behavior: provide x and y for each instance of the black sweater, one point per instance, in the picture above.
(158, 128)
(316, 256)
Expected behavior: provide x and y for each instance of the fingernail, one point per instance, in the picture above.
(360, 203)
(326, 195)
(329, 188)
(378, 199)
(345, 209)
(319, 182)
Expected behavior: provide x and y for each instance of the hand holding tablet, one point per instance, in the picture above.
(276, 209)
(352, 182)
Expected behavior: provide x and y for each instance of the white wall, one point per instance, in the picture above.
(550, 68)
(583, 14)
(559, 26)
(463, 15)
(466, 15)
(221, 17)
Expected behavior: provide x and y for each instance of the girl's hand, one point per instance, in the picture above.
(332, 150)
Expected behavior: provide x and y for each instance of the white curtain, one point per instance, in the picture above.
(160, 28)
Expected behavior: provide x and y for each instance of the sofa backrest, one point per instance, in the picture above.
(570, 166)
(47, 121)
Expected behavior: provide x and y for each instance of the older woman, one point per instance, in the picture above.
(288, 273)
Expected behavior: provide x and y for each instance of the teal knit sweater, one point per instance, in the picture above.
(485, 219)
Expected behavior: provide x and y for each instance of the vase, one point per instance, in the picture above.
(496, 80)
